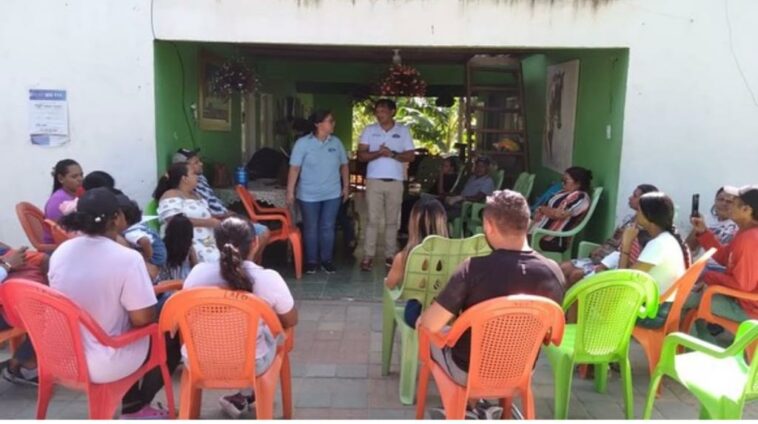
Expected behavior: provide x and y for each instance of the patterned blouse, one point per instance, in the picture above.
(575, 202)
(202, 239)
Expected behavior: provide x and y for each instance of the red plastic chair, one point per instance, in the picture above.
(219, 329)
(14, 336)
(54, 324)
(33, 222)
(59, 234)
(506, 335)
(288, 230)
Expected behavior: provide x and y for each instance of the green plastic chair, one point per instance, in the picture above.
(427, 271)
(719, 378)
(609, 304)
(461, 222)
(524, 184)
(151, 208)
(559, 257)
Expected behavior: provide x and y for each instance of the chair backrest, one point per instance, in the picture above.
(219, 329)
(681, 289)
(54, 324)
(59, 234)
(498, 175)
(430, 264)
(609, 304)
(506, 336)
(32, 220)
(595, 199)
(524, 184)
(747, 339)
(151, 208)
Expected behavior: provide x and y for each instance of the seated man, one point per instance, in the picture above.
(740, 258)
(512, 268)
(20, 263)
(217, 208)
(477, 188)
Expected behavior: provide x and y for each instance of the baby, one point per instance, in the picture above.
(141, 237)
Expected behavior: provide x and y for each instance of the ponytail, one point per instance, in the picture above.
(685, 250)
(232, 271)
(171, 179)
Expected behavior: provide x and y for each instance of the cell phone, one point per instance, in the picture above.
(695, 205)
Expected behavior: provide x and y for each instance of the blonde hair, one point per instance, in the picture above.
(428, 217)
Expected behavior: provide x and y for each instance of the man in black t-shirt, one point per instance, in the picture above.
(512, 268)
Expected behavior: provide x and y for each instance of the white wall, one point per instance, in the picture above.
(101, 53)
(691, 123)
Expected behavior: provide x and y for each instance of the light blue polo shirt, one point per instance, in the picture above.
(319, 164)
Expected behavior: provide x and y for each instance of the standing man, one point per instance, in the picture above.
(385, 146)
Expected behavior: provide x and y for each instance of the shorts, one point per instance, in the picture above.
(444, 358)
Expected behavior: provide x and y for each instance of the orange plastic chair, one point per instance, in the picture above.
(54, 324)
(59, 234)
(651, 339)
(168, 286)
(288, 231)
(33, 222)
(219, 329)
(506, 335)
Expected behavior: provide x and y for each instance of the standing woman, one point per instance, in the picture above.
(176, 195)
(67, 180)
(320, 162)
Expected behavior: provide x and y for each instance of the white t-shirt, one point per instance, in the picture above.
(107, 280)
(267, 284)
(665, 254)
(397, 139)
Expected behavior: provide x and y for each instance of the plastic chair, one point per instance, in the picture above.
(14, 336)
(55, 324)
(151, 209)
(463, 221)
(219, 329)
(719, 378)
(33, 222)
(559, 257)
(167, 286)
(506, 336)
(585, 249)
(651, 339)
(609, 304)
(524, 184)
(427, 271)
(59, 234)
(288, 231)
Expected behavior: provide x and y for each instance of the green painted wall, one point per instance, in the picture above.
(342, 110)
(602, 90)
(176, 89)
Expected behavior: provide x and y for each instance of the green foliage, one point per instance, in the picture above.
(433, 127)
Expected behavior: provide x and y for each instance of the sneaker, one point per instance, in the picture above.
(366, 264)
(388, 262)
(20, 375)
(148, 412)
(311, 268)
(439, 414)
(488, 411)
(234, 405)
(328, 267)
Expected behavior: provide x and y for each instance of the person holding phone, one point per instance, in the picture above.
(718, 221)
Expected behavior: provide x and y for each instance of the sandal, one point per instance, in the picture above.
(366, 264)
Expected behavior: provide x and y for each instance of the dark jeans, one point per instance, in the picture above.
(319, 220)
(143, 392)
(25, 351)
(346, 223)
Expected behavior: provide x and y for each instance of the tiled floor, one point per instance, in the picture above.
(336, 374)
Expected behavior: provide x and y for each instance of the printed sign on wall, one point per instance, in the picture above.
(48, 117)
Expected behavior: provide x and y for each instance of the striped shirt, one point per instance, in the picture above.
(205, 191)
(576, 203)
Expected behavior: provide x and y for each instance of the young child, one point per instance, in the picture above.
(141, 237)
(180, 256)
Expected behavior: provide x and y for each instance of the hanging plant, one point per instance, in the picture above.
(234, 76)
(402, 80)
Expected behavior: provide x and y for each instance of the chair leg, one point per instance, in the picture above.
(265, 391)
(563, 371)
(191, 398)
(168, 387)
(408, 365)
(626, 385)
(286, 385)
(601, 377)
(44, 394)
(15, 343)
(297, 253)
(507, 405)
(527, 398)
(388, 332)
(655, 381)
(423, 386)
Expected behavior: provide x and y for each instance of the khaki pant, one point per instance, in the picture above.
(383, 199)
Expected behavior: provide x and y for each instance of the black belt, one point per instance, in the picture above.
(387, 180)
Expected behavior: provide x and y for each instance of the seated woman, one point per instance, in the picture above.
(175, 194)
(719, 223)
(67, 181)
(110, 282)
(427, 218)
(236, 271)
(665, 257)
(565, 209)
(180, 255)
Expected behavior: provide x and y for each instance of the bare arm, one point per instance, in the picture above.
(142, 317)
(146, 248)
(435, 318)
(365, 156)
(406, 156)
(395, 276)
(289, 319)
(292, 176)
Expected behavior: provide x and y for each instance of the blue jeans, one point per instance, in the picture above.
(319, 220)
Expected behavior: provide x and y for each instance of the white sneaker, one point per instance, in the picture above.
(233, 405)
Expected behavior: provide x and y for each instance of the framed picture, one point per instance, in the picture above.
(214, 111)
(560, 114)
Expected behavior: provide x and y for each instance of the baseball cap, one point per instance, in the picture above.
(748, 194)
(183, 155)
(99, 203)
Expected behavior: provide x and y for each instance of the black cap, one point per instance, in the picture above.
(99, 202)
(748, 194)
(183, 155)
